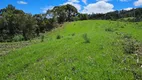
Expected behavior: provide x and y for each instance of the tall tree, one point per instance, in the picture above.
(63, 13)
(71, 12)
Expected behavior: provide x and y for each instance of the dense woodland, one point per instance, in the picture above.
(16, 25)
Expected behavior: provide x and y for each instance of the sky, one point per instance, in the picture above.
(83, 6)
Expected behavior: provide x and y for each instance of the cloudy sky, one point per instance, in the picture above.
(83, 6)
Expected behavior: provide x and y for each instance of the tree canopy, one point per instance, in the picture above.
(16, 22)
(63, 13)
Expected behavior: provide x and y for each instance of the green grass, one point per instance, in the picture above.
(69, 58)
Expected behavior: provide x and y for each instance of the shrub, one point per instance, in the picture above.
(127, 36)
(122, 26)
(109, 29)
(73, 34)
(86, 39)
(18, 38)
(42, 38)
(58, 37)
(130, 46)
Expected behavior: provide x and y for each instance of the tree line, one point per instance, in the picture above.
(133, 15)
(16, 25)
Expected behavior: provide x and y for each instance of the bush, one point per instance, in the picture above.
(42, 38)
(130, 46)
(86, 39)
(18, 38)
(73, 34)
(127, 36)
(109, 29)
(122, 27)
(58, 37)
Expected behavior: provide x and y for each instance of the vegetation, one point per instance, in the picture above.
(15, 22)
(68, 58)
(86, 39)
(63, 13)
(133, 15)
(58, 37)
(51, 46)
(42, 38)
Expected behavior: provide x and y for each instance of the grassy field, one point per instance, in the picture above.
(82, 50)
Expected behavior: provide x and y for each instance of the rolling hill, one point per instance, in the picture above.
(82, 50)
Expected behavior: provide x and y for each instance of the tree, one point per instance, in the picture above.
(63, 13)
(43, 23)
(29, 28)
(71, 12)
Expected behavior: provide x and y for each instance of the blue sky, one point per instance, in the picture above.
(83, 6)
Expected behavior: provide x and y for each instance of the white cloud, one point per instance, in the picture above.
(22, 2)
(98, 7)
(75, 3)
(116, 0)
(72, 2)
(44, 10)
(129, 8)
(103, 0)
(101, 6)
(84, 1)
(138, 3)
(125, 0)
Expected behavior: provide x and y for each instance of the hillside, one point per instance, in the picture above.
(91, 49)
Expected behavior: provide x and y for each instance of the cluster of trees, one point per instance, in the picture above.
(66, 13)
(16, 25)
(133, 14)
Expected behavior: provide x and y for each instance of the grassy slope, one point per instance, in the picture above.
(70, 58)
